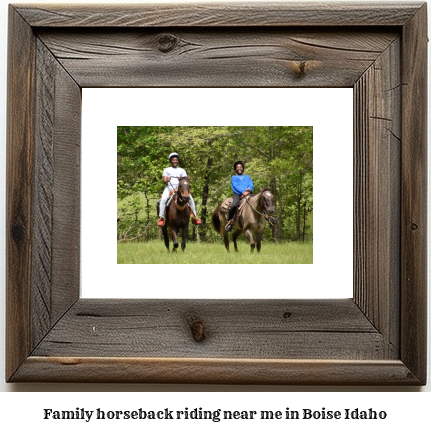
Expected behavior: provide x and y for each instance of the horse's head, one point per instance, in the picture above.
(267, 201)
(184, 190)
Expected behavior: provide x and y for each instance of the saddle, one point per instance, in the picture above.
(170, 199)
(226, 205)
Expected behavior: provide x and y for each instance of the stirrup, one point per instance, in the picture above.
(161, 222)
(229, 226)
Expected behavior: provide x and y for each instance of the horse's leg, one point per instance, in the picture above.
(235, 235)
(174, 239)
(249, 235)
(226, 240)
(166, 236)
(224, 232)
(184, 231)
(259, 240)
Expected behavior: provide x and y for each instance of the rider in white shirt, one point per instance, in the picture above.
(170, 178)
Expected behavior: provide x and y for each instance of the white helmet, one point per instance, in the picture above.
(173, 155)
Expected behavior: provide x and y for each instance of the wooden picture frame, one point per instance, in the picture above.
(376, 338)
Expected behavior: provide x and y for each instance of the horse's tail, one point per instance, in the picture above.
(215, 219)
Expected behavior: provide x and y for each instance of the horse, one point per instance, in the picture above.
(255, 210)
(178, 215)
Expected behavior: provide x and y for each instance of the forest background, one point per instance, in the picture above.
(279, 157)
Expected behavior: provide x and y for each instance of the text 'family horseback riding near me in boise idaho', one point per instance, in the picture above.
(215, 415)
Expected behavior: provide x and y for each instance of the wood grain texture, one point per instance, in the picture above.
(377, 146)
(66, 189)
(414, 195)
(19, 198)
(220, 15)
(234, 329)
(55, 278)
(211, 57)
(43, 179)
(215, 371)
(43, 194)
(378, 337)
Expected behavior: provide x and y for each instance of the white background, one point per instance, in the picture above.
(405, 409)
(329, 111)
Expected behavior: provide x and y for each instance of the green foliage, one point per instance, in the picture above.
(141, 157)
(280, 157)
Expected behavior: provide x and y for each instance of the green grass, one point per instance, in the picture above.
(154, 252)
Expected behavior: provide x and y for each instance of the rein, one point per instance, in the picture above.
(271, 220)
(253, 208)
(179, 202)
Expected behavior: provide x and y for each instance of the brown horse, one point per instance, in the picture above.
(178, 215)
(254, 212)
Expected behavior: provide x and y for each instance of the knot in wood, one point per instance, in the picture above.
(18, 233)
(414, 226)
(167, 42)
(197, 327)
(300, 69)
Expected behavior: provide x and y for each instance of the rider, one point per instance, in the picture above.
(170, 178)
(241, 185)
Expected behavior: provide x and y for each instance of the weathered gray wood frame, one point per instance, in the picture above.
(378, 337)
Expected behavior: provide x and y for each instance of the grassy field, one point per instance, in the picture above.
(154, 252)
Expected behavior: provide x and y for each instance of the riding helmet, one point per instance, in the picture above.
(173, 155)
(238, 163)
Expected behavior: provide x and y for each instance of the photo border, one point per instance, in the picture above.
(52, 334)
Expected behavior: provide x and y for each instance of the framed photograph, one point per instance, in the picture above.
(377, 337)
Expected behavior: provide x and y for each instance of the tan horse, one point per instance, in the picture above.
(255, 210)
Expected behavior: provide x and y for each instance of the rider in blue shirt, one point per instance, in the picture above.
(241, 185)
